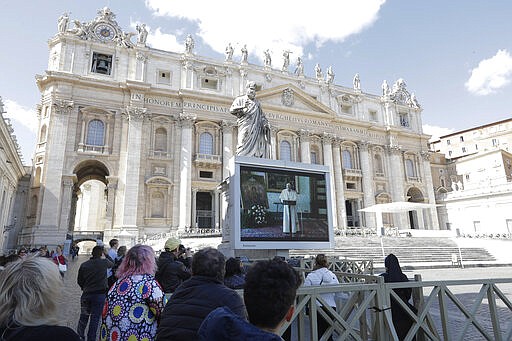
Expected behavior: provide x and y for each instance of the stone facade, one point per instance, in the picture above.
(154, 127)
(14, 182)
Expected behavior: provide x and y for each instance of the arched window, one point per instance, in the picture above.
(347, 159)
(42, 134)
(206, 144)
(314, 158)
(285, 151)
(161, 140)
(379, 169)
(443, 183)
(409, 168)
(95, 133)
(157, 205)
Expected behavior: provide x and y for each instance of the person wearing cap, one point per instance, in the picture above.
(171, 272)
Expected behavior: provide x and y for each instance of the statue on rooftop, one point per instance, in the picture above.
(189, 44)
(62, 25)
(330, 75)
(229, 53)
(299, 69)
(268, 59)
(357, 82)
(318, 72)
(244, 54)
(286, 60)
(143, 34)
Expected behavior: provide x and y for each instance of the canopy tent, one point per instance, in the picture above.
(395, 207)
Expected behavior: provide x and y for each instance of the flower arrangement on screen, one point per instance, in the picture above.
(258, 214)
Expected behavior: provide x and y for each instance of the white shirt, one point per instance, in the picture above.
(323, 276)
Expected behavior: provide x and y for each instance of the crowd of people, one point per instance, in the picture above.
(130, 294)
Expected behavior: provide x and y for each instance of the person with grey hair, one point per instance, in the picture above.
(197, 297)
(29, 299)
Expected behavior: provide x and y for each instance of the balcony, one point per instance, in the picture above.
(207, 161)
(352, 173)
(160, 154)
(89, 148)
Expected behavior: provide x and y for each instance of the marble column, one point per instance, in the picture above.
(140, 69)
(338, 186)
(51, 184)
(111, 198)
(132, 180)
(397, 179)
(367, 182)
(273, 142)
(68, 182)
(429, 186)
(327, 148)
(194, 208)
(227, 146)
(186, 122)
(216, 208)
(305, 150)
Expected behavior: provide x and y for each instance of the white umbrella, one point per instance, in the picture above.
(394, 207)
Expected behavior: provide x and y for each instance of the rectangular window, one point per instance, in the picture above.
(351, 185)
(476, 225)
(495, 142)
(163, 77)
(448, 142)
(476, 147)
(204, 174)
(449, 153)
(101, 63)
(462, 139)
(209, 83)
(404, 120)
(463, 149)
(373, 116)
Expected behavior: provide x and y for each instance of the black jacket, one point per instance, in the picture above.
(92, 276)
(171, 272)
(191, 303)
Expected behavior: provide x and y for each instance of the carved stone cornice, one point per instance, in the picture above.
(336, 142)
(62, 107)
(133, 113)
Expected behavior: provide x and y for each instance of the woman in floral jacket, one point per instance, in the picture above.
(134, 303)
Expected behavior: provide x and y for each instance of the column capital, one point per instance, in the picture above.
(393, 149)
(62, 107)
(141, 56)
(364, 145)
(112, 182)
(304, 135)
(227, 125)
(425, 154)
(69, 180)
(133, 113)
(327, 138)
(187, 120)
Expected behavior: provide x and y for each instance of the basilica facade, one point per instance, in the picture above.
(145, 136)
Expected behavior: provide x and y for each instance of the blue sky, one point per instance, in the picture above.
(454, 55)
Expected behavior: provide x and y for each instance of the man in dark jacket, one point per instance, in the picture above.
(171, 272)
(269, 296)
(92, 279)
(197, 297)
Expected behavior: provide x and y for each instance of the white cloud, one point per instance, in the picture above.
(274, 25)
(163, 41)
(491, 74)
(436, 131)
(24, 116)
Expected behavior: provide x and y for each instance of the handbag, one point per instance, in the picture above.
(62, 267)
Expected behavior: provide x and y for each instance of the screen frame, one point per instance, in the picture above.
(278, 165)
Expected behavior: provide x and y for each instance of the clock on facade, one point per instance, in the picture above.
(104, 32)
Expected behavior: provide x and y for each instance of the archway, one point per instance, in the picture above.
(89, 213)
(415, 219)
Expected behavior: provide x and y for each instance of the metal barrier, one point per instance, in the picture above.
(342, 265)
(363, 310)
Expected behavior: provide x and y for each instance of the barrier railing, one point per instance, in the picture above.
(448, 310)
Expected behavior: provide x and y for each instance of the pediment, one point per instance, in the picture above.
(289, 97)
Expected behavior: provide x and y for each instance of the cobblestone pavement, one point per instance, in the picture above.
(70, 304)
